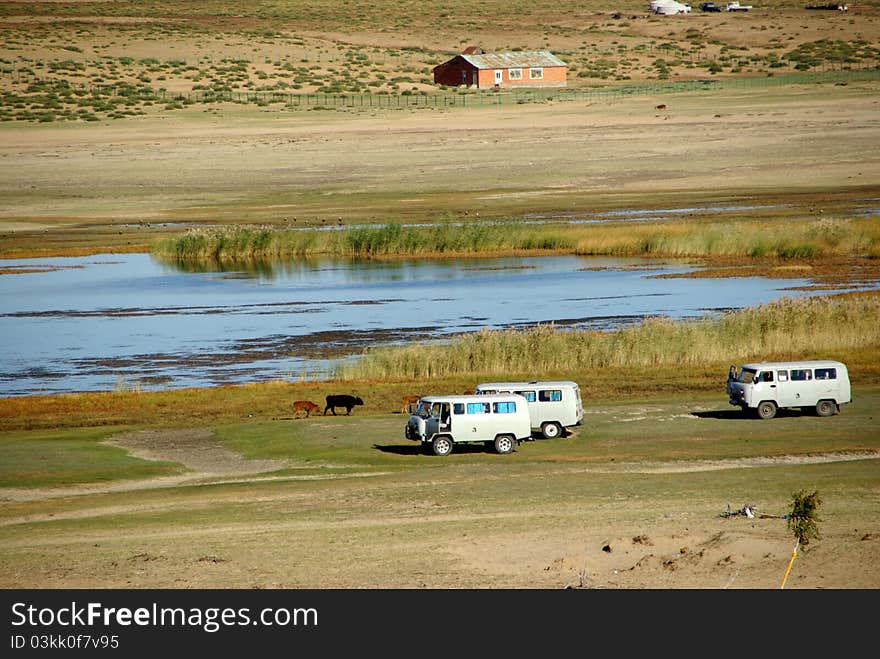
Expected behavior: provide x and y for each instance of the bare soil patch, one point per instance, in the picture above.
(194, 448)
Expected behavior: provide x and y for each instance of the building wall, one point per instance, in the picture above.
(553, 76)
(450, 73)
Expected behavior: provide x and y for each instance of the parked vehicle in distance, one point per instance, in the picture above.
(709, 6)
(501, 421)
(553, 405)
(735, 6)
(765, 387)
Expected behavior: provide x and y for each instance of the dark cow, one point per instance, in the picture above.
(341, 400)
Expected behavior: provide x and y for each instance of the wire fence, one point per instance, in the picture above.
(508, 96)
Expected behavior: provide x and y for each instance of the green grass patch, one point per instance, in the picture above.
(69, 457)
(781, 238)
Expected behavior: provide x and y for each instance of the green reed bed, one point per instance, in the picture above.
(390, 240)
(784, 238)
(826, 327)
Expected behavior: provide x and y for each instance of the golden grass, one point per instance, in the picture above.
(816, 327)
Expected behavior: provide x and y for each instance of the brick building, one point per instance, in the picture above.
(537, 68)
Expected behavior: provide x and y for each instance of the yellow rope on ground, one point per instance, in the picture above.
(790, 563)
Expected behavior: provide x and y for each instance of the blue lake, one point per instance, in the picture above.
(129, 321)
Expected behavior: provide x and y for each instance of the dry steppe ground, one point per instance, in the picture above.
(637, 498)
(386, 48)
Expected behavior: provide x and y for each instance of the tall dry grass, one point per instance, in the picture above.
(782, 238)
(794, 328)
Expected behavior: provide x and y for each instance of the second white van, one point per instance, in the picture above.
(553, 405)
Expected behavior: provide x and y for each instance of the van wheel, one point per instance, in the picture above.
(767, 409)
(826, 408)
(505, 444)
(442, 446)
(551, 430)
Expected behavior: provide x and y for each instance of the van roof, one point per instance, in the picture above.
(813, 363)
(533, 383)
(456, 398)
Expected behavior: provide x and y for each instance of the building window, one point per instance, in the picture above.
(536, 73)
(514, 74)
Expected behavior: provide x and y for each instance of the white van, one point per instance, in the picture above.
(765, 387)
(442, 421)
(553, 405)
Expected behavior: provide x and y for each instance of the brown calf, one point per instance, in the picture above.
(407, 401)
(306, 406)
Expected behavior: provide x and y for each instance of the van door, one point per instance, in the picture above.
(432, 423)
(799, 391)
(826, 384)
(475, 424)
(764, 388)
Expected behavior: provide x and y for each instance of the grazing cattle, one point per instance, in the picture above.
(341, 400)
(407, 401)
(662, 106)
(306, 406)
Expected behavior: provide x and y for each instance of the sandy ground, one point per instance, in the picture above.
(136, 179)
(604, 546)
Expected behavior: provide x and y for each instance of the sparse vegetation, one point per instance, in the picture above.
(258, 60)
(803, 521)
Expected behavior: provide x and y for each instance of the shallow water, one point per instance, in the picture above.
(129, 321)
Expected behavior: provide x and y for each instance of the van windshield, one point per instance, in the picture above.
(424, 409)
(746, 376)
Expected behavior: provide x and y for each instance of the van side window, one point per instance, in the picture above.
(782, 375)
(478, 408)
(767, 376)
(528, 395)
(508, 407)
(826, 373)
(801, 374)
(458, 408)
(550, 395)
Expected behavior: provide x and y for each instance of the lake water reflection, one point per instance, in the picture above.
(122, 321)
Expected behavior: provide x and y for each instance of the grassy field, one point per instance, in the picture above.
(347, 502)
